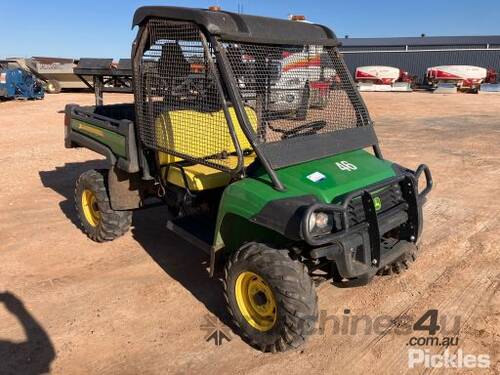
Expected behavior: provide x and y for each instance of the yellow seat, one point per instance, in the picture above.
(200, 177)
(200, 134)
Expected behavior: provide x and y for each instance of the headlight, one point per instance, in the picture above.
(320, 222)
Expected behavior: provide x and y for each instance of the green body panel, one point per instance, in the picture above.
(115, 141)
(247, 197)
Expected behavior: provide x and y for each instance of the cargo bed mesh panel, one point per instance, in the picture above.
(297, 91)
(179, 110)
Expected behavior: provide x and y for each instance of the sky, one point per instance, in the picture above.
(102, 28)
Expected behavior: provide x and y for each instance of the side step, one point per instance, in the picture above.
(199, 231)
(195, 229)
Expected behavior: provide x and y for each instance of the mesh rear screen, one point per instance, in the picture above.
(179, 110)
(296, 91)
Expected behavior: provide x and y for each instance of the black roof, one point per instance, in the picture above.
(421, 41)
(241, 27)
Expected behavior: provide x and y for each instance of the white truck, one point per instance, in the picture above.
(300, 81)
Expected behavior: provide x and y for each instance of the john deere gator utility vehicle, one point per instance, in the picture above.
(214, 134)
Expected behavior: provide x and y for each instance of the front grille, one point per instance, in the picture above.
(390, 196)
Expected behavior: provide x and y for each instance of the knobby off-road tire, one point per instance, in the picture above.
(295, 299)
(98, 220)
(401, 264)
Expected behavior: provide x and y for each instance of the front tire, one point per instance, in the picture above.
(270, 297)
(97, 219)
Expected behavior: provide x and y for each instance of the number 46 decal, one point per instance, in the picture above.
(346, 166)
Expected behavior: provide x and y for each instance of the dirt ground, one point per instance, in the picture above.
(136, 305)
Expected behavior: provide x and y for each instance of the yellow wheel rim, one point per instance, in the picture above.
(90, 208)
(256, 301)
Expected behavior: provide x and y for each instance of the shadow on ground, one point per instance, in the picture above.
(179, 259)
(32, 356)
(62, 181)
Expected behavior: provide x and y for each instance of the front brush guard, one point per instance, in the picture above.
(367, 234)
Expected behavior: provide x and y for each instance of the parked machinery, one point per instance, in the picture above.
(103, 75)
(382, 78)
(491, 85)
(57, 73)
(450, 78)
(17, 83)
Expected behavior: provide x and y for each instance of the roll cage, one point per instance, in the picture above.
(204, 61)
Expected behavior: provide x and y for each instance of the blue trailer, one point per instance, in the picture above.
(16, 83)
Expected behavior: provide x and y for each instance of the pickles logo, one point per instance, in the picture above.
(377, 203)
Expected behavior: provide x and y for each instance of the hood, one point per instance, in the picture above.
(334, 176)
(324, 180)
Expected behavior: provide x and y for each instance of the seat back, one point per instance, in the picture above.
(193, 133)
(173, 58)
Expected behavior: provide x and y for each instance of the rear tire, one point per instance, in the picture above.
(97, 219)
(286, 288)
(53, 87)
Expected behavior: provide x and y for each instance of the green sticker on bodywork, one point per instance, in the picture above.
(377, 203)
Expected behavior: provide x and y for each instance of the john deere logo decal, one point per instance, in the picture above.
(377, 203)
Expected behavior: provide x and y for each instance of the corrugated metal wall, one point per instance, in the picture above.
(417, 62)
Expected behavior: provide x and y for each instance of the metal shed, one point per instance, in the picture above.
(416, 54)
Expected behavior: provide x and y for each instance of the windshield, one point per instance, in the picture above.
(296, 92)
